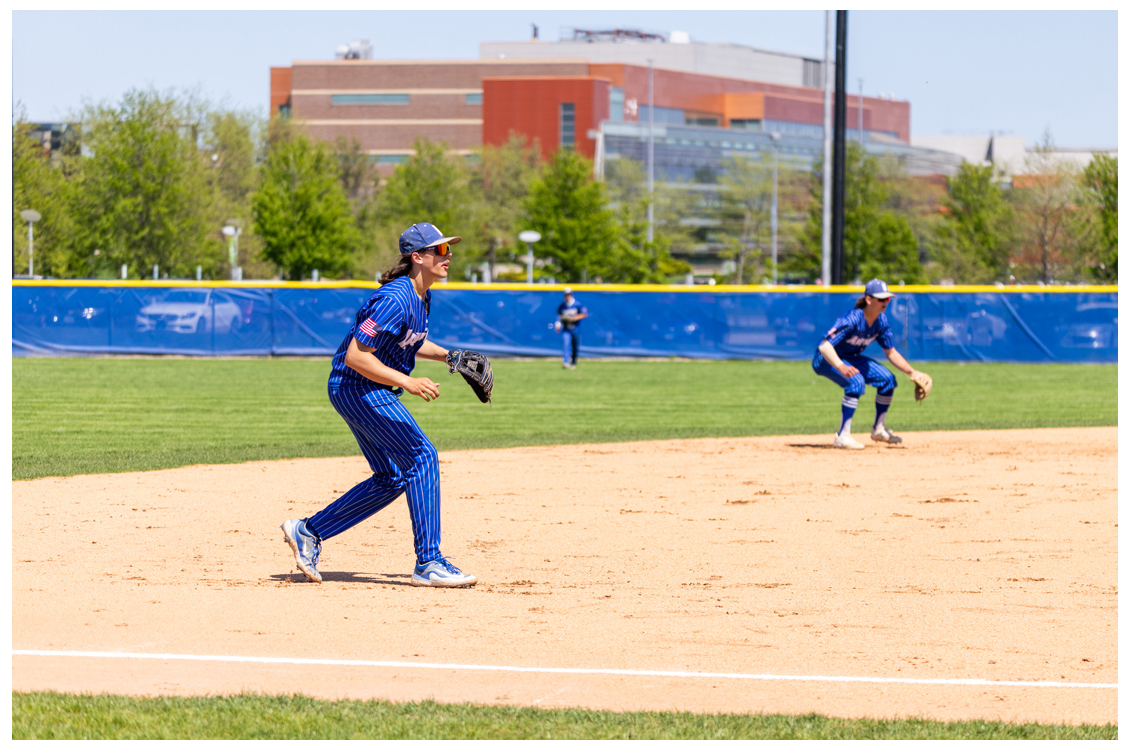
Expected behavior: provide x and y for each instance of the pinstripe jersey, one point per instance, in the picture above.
(394, 321)
(850, 334)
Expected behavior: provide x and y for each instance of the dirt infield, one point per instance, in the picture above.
(968, 560)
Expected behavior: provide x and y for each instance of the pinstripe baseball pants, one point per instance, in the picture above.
(870, 373)
(402, 459)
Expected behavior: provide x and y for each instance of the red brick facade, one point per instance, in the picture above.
(468, 103)
(532, 106)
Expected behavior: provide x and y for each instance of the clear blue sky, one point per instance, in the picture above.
(964, 72)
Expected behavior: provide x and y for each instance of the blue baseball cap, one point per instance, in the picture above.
(876, 288)
(422, 236)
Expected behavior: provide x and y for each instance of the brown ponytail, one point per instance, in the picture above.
(401, 267)
(859, 303)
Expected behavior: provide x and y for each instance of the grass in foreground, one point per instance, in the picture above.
(82, 416)
(55, 716)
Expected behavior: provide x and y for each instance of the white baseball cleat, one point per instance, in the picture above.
(442, 573)
(883, 435)
(305, 546)
(847, 441)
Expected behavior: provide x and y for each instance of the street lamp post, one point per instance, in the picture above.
(650, 150)
(30, 217)
(232, 230)
(529, 237)
(774, 137)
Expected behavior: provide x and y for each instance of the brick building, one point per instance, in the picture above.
(707, 103)
(386, 105)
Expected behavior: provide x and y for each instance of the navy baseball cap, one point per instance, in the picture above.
(876, 288)
(422, 236)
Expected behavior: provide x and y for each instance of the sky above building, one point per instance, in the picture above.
(964, 72)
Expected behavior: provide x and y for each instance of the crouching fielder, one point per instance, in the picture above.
(839, 358)
(370, 371)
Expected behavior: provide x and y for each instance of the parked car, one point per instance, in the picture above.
(191, 311)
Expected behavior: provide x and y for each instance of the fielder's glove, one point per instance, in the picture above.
(475, 369)
(922, 385)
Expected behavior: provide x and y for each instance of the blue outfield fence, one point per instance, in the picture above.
(980, 324)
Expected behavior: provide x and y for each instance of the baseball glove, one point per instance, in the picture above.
(922, 385)
(475, 369)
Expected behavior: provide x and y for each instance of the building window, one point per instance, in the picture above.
(340, 99)
(616, 104)
(793, 128)
(703, 122)
(813, 74)
(284, 111)
(568, 125)
(474, 98)
(390, 158)
(745, 124)
(663, 115)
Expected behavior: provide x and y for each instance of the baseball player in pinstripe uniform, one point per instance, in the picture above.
(839, 357)
(370, 371)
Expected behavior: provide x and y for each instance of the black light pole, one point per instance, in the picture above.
(839, 149)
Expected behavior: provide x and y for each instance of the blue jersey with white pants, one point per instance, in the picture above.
(394, 322)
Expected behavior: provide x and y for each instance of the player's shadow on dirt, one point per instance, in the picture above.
(829, 446)
(340, 576)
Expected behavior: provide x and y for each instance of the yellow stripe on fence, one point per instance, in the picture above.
(698, 288)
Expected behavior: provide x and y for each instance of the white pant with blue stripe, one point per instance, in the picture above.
(403, 460)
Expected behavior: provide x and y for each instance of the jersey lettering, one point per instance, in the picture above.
(860, 341)
(412, 337)
(851, 334)
(394, 322)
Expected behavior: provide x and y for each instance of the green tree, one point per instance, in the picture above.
(640, 260)
(498, 184)
(1046, 198)
(301, 212)
(745, 213)
(230, 150)
(893, 251)
(359, 179)
(141, 197)
(230, 146)
(1100, 189)
(430, 186)
(637, 260)
(975, 239)
(357, 176)
(39, 182)
(569, 208)
(867, 240)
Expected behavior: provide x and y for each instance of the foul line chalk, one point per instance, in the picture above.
(564, 670)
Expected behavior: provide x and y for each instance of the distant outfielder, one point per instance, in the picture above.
(370, 371)
(839, 358)
(570, 313)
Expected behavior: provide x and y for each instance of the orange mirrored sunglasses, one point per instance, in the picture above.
(442, 249)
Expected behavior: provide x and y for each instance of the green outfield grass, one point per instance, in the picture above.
(80, 416)
(53, 716)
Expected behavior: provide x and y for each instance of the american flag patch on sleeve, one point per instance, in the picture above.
(369, 328)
